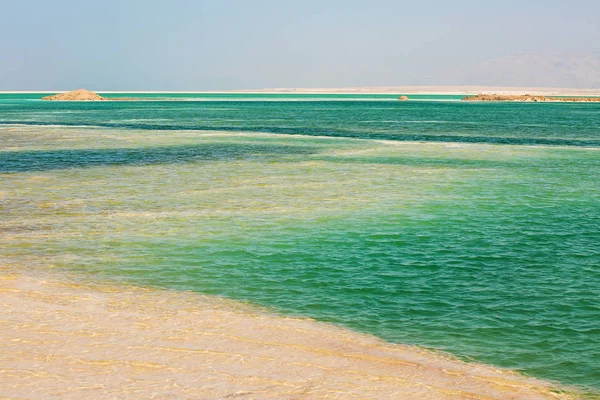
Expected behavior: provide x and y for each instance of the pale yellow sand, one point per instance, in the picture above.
(64, 340)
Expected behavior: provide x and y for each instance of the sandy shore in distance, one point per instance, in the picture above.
(441, 90)
(60, 339)
(381, 90)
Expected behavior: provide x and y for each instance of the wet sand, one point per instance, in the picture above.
(64, 339)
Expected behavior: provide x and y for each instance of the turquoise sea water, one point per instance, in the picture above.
(472, 228)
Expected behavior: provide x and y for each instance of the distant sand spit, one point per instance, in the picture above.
(531, 98)
(63, 339)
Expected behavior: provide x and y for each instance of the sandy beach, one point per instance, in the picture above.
(66, 339)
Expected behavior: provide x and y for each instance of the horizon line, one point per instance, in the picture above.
(413, 89)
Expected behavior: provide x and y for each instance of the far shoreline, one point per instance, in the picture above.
(378, 90)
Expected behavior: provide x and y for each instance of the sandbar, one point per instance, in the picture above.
(66, 338)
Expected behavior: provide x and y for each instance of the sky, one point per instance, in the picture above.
(253, 44)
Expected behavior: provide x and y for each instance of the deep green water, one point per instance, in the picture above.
(472, 228)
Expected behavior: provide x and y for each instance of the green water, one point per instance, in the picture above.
(467, 227)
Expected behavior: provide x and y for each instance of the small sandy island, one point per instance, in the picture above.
(64, 339)
(529, 98)
(76, 95)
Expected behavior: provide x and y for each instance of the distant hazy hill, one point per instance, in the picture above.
(541, 70)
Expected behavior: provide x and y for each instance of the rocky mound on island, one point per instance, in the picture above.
(529, 98)
(76, 95)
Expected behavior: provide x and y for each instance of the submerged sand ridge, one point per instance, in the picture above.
(76, 95)
(60, 339)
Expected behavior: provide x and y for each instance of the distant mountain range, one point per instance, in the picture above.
(532, 70)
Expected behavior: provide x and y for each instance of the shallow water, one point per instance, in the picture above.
(63, 339)
(481, 239)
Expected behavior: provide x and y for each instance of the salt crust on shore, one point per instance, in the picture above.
(63, 339)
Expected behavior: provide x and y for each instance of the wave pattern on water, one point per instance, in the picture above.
(487, 251)
(527, 124)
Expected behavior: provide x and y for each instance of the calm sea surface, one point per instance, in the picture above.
(472, 228)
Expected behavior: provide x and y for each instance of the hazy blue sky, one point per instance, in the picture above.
(229, 44)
